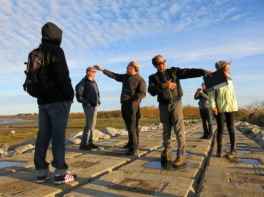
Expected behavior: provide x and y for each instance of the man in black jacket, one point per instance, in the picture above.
(133, 91)
(54, 109)
(166, 85)
(90, 97)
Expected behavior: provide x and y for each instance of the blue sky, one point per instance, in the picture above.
(111, 33)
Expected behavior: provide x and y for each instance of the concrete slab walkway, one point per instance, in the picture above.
(107, 172)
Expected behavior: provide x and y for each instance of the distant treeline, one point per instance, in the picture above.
(252, 113)
(146, 112)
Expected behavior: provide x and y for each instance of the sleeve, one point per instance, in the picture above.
(62, 75)
(81, 93)
(197, 95)
(204, 95)
(154, 88)
(186, 73)
(117, 77)
(211, 100)
(142, 91)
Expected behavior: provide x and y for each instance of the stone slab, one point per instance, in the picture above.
(24, 184)
(86, 166)
(192, 169)
(240, 181)
(124, 184)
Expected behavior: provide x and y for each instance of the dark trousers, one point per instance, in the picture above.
(206, 115)
(130, 114)
(230, 123)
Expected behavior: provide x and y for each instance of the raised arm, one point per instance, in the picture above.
(117, 77)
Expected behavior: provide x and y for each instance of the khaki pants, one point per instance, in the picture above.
(171, 115)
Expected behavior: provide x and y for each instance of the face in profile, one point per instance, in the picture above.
(226, 69)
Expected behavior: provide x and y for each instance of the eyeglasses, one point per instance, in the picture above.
(159, 63)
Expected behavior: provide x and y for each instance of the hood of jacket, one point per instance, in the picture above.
(51, 33)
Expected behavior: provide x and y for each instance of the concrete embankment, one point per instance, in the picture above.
(107, 172)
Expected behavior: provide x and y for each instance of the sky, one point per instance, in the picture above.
(111, 33)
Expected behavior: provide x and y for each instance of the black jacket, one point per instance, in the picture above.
(133, 86)
(166, 95)
(89, 92)
(55, 61)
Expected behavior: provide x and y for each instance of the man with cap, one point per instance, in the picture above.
(133, 91)
(88, 93)
(165, 83)
(54, 109)
(206, 114)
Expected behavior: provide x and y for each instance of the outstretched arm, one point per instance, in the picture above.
(117, 77)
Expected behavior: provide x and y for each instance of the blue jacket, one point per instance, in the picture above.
(89, 92)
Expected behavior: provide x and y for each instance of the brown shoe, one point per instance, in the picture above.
(179, 161)
(166, 155)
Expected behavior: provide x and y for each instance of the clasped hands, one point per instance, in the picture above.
(169, 85)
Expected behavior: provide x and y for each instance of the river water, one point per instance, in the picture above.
(11, 120)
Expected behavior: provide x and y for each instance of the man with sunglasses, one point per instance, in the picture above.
(133, 91)
(166, 84)
(89, 95)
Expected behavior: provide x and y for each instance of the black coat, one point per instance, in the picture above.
(166, 95)
(55, 61)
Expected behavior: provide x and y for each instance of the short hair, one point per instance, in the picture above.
(154, 60)
(89, 68)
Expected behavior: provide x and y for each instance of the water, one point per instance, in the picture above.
(227, 136)
(10, 164)
(108, 142)
(238, 145)
(175, 153)
(244, 161)
(11, 120)
(241, 151)
(167, 165)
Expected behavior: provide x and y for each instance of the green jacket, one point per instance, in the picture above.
(226, 98)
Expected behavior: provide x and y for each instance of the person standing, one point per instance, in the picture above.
(165, 83)
(90, 97)
(54, 109)
(206, 114)
(133, 91)
(223, 102)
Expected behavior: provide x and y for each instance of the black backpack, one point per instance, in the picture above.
(77, 88)
(38, 82)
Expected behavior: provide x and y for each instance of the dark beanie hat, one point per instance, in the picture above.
(220, 64)
(203, 83)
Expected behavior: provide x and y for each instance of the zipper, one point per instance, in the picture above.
(169, 89)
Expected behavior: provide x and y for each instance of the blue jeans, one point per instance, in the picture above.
(90, 114)
(206, 115)
(171, 116)
(53, 120)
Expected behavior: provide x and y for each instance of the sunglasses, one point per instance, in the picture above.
(159, 63)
